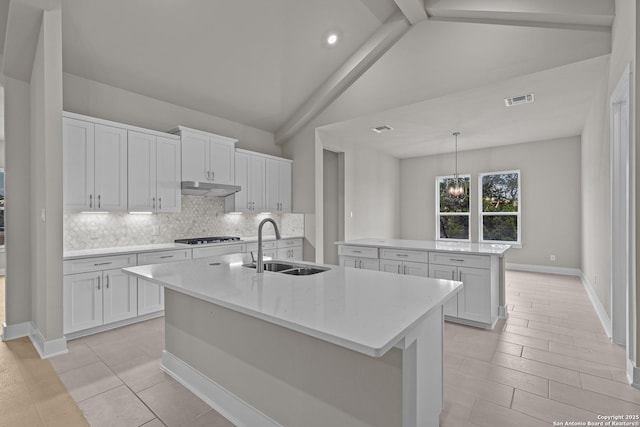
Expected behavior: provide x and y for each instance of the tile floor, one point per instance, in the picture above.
(550, 361)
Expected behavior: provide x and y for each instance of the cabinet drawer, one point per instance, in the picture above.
(163, 256)
(86, 265)
(358, 251)
(253, 247)
(444, 258)
(288, 243)
(218, 250)
(402, 255)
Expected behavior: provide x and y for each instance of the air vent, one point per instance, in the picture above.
(517, 100)
(383, 128)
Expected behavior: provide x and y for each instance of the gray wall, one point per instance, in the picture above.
(550, 196)
(95, 99)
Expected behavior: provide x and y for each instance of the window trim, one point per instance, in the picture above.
(438, 213)
(518, 215)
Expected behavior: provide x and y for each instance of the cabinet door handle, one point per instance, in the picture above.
(360, 263)
(402, 255)
(459, 276)
(456, 260)
(166, 256)
(453, 275)
(208, 175)
(398, 268)
(91, 201)
(213, 176)
(106, 281)
(153, 203)
(404, 269)
(357, 252)
(355, 263)
(102, 263)
(98, 282)
(159, 203)
(99, 202)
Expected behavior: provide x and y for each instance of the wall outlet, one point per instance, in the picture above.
(155, 230)
(94, 233)
(552, 258)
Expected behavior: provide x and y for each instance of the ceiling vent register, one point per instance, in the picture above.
(383, 128)
(517, 100)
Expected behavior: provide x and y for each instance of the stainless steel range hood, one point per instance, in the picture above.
(196, 188)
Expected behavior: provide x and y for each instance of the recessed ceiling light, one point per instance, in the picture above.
(520, 99)
(332, 38)
(380, 129)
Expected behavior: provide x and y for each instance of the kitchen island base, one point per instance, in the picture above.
(257, 373)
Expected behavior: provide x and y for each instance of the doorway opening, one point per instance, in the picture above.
(333, 203)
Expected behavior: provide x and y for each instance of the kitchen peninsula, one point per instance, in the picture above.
(342, 347)
(480, 266)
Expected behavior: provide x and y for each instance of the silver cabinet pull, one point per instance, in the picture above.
(402, 255)
(166, 256)
(102, 263)
(99, 202)
(91, 201)
(405, 269)
(456, 260)
(357, 252)
(106, 281)
(453, 275)
(398, 268)
(355, 263)
(360, 263)
(208, 175)
(459, 276)
(153, 202)
(213, 175)
(160, 203)
(98, 282)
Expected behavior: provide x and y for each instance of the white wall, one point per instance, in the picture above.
(95, 99)
(46, 178)
(596, 247)
(550, 196)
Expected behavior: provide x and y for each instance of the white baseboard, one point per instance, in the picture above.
(46, 348)
(229, 405)
(26, 329)
(597, 305)
(544, 269)
(17, 330)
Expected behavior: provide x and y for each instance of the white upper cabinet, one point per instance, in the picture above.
(154, 173)
(207, 157)
(249, 175)
(278, 185)
(95, 166)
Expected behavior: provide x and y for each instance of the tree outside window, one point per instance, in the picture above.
(452, 213)
(500, 207)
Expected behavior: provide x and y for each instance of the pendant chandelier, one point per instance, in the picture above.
(456, 187)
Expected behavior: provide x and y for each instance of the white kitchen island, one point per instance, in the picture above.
(480, 266)
(343, 347)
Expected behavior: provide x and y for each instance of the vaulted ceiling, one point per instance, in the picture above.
(425, 67)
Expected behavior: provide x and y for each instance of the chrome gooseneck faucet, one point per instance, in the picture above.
(260, 262)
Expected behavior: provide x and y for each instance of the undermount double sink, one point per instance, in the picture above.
(289, 268)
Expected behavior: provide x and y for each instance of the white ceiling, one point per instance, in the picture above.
(264, 64)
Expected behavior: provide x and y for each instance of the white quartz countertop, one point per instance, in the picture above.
(121, 250)
(428, 245)
(365, 311)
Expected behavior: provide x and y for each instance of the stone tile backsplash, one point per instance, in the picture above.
(200, 216)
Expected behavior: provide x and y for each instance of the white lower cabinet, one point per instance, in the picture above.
(290, 249)
(405, 267)
(151, 295)
(473, 302)
(98, 297)
(361, 263)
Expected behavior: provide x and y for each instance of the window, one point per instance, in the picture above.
(500, 207)
(452, 213)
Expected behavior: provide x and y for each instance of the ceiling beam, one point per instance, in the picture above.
(413, 10)
(572, 14)
(385, 37)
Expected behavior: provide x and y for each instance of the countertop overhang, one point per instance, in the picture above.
(428, 245)
(365, 311)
